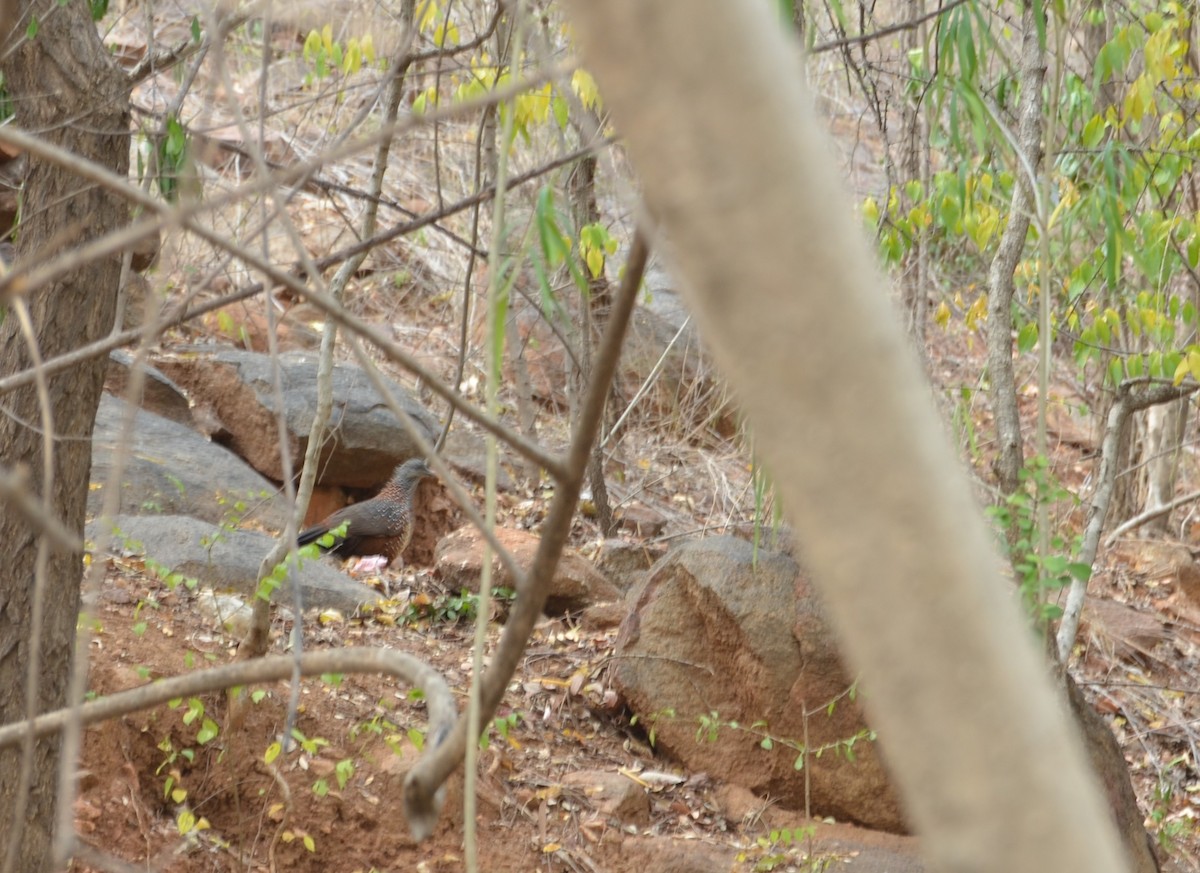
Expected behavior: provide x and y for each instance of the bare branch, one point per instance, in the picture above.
(864, 38)
(422, 811)
(429, 773)
(1148, 516)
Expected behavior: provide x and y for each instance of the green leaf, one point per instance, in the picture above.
(417, 738)
(31, 31)
(1027, 338)
(1093, 132)
(1080, 571)
(344, 769)
(561, 110)
(208, 731)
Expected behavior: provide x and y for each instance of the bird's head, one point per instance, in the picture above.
(412, 470)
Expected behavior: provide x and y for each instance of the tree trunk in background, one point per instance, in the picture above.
(914, 164)
(1165, 428)
(1003, 385)
(593, 314)
(65, 86)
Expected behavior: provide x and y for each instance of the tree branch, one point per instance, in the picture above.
(429, 773)
(422, 811)
(1128, 401)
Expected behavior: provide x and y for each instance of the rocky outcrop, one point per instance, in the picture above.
(226, 559)
(715, 634)
(170, 469)
(662, 350)
(624, 563)
(234, 389)
(158, 393)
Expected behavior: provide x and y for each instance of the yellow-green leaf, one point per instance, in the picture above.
(595, 262)
(870, 210)
(429, 17)
(1181, 372)
(186, 822)
(352, 62)
(312, 45)
(446, 32)
(585, 88)
(1193, 362)
(942, 314)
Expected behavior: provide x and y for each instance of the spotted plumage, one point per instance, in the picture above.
(382, 525)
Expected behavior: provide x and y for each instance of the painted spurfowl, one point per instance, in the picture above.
(382, 525)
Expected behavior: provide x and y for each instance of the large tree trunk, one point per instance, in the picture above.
(779, 278)
(64, 85)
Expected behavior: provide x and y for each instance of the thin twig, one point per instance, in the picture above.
(1148, 516)
(863, 38)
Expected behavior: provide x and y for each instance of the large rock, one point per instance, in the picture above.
(158, 395)
(227, 559)
(237, 388)
(170, 469)
(711, 631)
(662, 351)
(576, 584)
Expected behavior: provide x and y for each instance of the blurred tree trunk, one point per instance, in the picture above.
(781, 284)
(64, 85)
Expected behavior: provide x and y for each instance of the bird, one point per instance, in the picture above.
(380, 526)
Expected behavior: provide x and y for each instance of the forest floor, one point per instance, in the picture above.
(334, 804)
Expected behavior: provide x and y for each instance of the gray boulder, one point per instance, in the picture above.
(158, 395)
(234, 390)
(172, 470)
(227, 560)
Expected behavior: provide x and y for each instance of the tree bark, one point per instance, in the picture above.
(65, 85)
(1165, 428)
(1012, 244)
